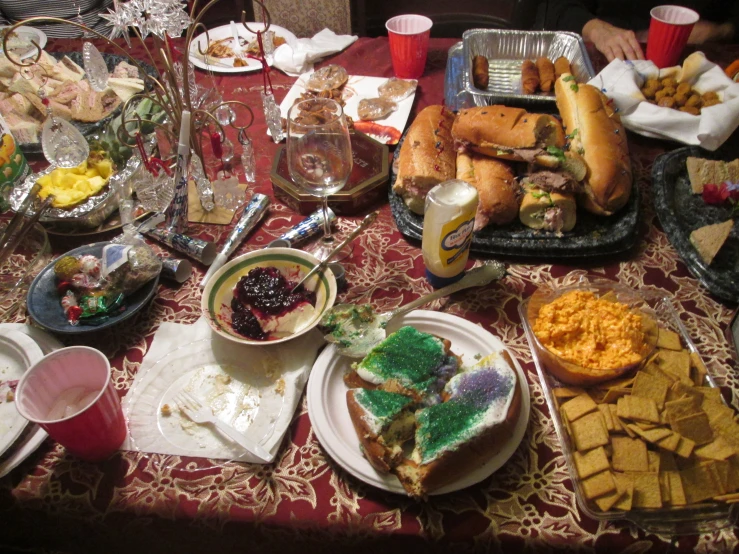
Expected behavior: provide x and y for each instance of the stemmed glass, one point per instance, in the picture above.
(319, 156)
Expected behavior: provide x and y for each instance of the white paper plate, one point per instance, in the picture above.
(333, 426)
(224, 31)
(33, 437)
(27, 34)
(252, 388)
(18, 352)
(386, 131)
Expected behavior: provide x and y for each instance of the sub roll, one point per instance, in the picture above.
(546, 74)
(596, 134)
(529, 77)
(496, 189)
(427, 156)
(507, 133)
(548, 211)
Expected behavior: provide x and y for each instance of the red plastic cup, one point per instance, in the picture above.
(409, 44)
(69, 393)
(669, 30)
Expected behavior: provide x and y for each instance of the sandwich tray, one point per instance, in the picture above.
(506, 51)
(680, 212)
(593, 235)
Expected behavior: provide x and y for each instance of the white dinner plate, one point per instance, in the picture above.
(253, 388)
(386, 131)
(18, 352)
(22, 47)
(32, 437)
(333, 426)
(225, 65)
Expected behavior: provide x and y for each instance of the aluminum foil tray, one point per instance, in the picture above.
(506, 51)
(88, 214)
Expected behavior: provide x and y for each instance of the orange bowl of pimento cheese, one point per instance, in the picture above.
(591, 333)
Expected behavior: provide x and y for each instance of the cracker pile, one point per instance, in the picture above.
(660, 438)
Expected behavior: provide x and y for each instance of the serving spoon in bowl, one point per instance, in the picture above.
(356, 329)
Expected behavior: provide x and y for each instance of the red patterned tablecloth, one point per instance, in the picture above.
(305, 501)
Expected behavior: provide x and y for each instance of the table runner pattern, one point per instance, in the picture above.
(154, 502)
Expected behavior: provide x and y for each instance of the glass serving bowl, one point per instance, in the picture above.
(31, 255)
(571, 372)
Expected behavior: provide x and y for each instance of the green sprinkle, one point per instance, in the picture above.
(380, 403)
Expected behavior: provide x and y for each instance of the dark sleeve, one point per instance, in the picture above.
(569, 15)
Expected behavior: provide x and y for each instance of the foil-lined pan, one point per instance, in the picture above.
(506, 51)
(86, 215)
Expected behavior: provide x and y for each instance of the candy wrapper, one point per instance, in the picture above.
(93, 289)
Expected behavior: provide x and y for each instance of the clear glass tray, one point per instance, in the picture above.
(704, 517)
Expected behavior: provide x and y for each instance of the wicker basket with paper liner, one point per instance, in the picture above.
(622, 82)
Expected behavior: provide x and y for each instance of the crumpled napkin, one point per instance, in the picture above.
(622, 80)
(296, 57)
(141, 403)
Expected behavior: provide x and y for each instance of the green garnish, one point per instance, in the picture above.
(568, 78)
(574, 87)
(557, 153)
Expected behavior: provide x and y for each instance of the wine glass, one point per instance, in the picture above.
(319, 156)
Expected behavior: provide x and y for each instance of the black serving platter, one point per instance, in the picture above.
(680, 212)
(89, 129)
(592, 236)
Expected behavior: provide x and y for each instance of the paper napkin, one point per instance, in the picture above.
(296, 57)
(621, 80)
(150, 430)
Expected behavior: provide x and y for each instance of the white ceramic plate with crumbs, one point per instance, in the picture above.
(33, 435)
(386, 131)
(333, 426)
(254, 389)
(20, 45)
(223, 33)
(18, 352)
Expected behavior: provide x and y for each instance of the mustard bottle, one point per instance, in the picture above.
(448, 220)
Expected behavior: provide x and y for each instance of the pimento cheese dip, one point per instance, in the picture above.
(594, 333)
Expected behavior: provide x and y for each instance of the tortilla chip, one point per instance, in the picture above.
(651, 435)
(617, 427)
(670, 443)
(614, 394)
(676, 363)
(605, 410)
(607, 501)
(699, 483)
(567, 392)
(677, 493)
(700, 370)
(680, 408)
(629, 454)
(684, 447)
(718, 449)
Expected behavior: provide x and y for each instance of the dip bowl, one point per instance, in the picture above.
(291, 263)
(571, 371)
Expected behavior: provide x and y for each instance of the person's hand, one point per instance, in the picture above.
(612, 41)
(707, 31)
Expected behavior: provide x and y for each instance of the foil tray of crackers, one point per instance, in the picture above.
(658, 446)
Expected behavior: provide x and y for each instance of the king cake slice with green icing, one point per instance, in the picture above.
(411, 362)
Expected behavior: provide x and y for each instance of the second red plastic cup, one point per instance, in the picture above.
(69, 393)
(668, 34)
(409, 44)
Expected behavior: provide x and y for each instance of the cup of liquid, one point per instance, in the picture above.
(69, 393)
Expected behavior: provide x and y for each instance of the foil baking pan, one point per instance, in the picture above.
(506, 51)
(85, 215)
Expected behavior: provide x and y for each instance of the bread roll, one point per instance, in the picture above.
(507, 133)
(427, 156)
(529, 77)
(596, 134)
(496, 188)
(550, 211)
(546, 73)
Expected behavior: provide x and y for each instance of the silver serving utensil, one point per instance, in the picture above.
(356, 329)
(366, 222)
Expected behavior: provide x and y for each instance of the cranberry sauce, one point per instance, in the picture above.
(266, 292)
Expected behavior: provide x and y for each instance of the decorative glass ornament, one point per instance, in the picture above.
(248, 160)
(63, 145)
(202, 183)
(272, 116)
(95, 67)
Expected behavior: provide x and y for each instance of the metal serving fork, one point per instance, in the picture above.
(200, 413)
